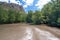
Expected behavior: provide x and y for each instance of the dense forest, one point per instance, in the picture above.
(49, 14)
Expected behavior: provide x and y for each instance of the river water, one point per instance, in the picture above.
(25, 33)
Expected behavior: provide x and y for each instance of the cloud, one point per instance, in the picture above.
(4, 0)
(28, 3)
(12, 1)
(25, 6)
(41, 3)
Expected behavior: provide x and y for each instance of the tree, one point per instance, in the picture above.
(3, 15)
(51, 11)
(36, 17)
(20, 16)
(29, 17)
(12, 16)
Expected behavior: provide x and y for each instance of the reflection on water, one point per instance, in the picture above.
(45, 35)
(41, 35)
(25, 33)
(28, 34)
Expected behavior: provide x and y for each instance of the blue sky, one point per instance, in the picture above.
(29, 4)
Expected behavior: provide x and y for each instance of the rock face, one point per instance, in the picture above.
(12, 6)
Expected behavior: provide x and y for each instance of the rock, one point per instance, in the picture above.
(11, 6)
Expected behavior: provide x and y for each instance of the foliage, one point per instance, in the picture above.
(51, 11)
(36, 18)
(29, 17)
(49, 14)
(11, 16)
(3, 16)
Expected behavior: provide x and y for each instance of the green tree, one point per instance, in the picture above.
(20, 16)
(51, 11)
(29, 17)
(12, 16)
(3, 15)
(36, 17)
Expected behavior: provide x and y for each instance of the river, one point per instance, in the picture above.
(25, 32)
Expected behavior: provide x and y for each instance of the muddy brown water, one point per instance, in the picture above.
(27, 32)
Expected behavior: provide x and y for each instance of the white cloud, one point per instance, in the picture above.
(41, 3)
(4, 0)
(28, 3)
(25, 6)
(12, 1)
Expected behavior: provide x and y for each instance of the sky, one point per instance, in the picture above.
(29, 4)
